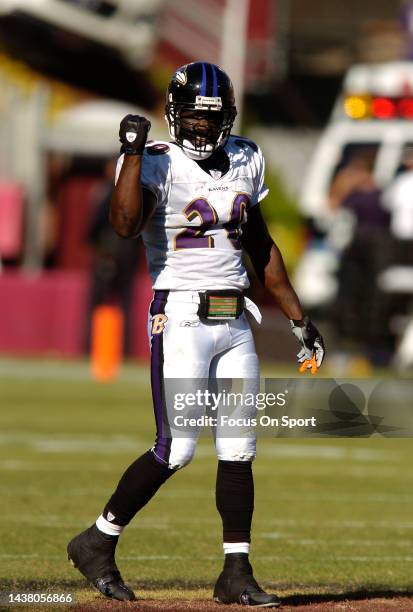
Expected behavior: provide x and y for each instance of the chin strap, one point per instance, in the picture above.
(194, 154)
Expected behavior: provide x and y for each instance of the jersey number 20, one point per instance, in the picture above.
(194, 237)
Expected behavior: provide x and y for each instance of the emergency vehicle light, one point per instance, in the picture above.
(405, 108)
(382, 108)
(358, 107)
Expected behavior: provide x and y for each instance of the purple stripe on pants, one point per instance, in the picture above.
(163, 441)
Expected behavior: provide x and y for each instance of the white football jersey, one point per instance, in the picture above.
(193, 237)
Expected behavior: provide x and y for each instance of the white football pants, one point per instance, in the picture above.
(184, 347)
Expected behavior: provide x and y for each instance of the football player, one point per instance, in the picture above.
(195, 200)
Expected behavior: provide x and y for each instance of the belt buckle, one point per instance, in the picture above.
(220, 305)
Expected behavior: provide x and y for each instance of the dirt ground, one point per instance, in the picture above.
(401, 604)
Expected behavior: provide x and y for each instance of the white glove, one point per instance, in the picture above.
(310, 339)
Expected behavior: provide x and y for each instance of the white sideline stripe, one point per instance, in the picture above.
(289, 495)
(195, 492)
(315, 452)
(293, 524)
(59, 524)
(280, 559)
(78, 442)
(81, 492)
(56, 522)
(348, 524)
(378, 559)
(65, 370)
(353, 559)
(325, 452)
(12, 465)
(154, 557)
(74, 443)
(97, 446)
(349, 497)
(346, 466)
(37, 491)
(317, 541)
(127, 557)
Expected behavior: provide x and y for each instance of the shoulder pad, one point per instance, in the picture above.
(156, 148)
(245, 143)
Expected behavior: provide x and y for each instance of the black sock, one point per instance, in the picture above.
(137, 486)
(235, 499)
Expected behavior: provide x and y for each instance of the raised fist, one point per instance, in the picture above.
(133, 133)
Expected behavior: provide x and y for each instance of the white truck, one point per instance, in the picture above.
(374, 109)
(374, 112)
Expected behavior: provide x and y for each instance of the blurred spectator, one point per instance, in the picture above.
(355, 175)
(115, 262)
(362, 311)
(365, 203)
(398, 199)
(57, 169)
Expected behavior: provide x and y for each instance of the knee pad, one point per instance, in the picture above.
(236, 449)
(181, 453)
(234, 456)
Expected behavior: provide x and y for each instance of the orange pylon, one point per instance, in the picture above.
(107, 342)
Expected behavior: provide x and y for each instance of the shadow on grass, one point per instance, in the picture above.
(355, 595)
(82, 583)
(362, 593)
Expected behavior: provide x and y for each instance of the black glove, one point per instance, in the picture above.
(310, 339)
(133, 133)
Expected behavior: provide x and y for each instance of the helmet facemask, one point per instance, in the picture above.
(203, 129)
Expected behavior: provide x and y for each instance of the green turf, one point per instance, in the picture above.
(331, 515)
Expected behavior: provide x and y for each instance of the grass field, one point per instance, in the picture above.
(333, 518)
